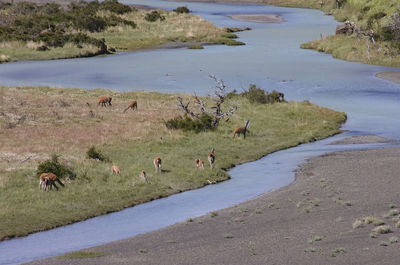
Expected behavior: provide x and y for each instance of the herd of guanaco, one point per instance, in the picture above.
(47, 180)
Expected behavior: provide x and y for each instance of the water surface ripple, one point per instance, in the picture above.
(271, 59)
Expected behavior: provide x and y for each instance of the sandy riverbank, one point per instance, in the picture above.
(311, 221)
(390, 76)
(260, 18)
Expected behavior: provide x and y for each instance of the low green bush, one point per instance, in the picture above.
(52, 165)
(182, 10)
(260, 96)
(115, 7)
(204, 123)
(153, 16)
(92, 153)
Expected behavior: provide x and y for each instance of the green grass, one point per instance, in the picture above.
(356, 50)
(82, 255)
(196, 47)
(131, 140)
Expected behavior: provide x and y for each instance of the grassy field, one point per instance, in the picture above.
(36, 122)
(175, 27)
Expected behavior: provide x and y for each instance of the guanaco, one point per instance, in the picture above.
(132, 105)
(199, 164)
(104, 101)
(211, 158)
(47, 180)
(157, 164)
(241, 129)
(115, 170)
(143, 176)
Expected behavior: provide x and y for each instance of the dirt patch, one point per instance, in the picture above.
(363, 139)
(390, 76)
(260, 18)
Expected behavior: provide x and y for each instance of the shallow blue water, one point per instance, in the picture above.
(271, 59)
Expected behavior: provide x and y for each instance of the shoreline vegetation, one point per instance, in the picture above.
(44, 31)
(38, 122)
(380, 16)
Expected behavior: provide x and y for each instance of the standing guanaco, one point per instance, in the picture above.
(132, 105)
(104, 101)
(115, 170)
(241, 129)
(47, 180)
(143, 176)
(199, 164)
(211, 158)
(157, 164)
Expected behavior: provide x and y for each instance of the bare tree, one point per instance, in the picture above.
(215, 111)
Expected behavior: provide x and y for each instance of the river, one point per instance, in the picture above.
(271, 59)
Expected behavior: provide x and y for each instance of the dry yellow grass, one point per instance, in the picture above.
(175, 27)
(37, 122)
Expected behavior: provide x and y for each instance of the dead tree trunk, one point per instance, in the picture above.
(216, 110)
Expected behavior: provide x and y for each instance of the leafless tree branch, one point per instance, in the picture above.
(216, 109)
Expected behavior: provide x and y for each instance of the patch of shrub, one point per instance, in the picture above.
(115, 7)
(258, 95)
(204, 123)
(182, 10)
(154, 16)
(382, 229)
(115, 21)
(95, 154)
(54, 166)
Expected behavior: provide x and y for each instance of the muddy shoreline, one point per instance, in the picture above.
(390, 76)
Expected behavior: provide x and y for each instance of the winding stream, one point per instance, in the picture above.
(271, 59)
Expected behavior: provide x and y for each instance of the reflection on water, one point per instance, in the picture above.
(271, 59)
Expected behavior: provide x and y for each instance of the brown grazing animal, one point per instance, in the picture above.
(132, 105)
(241, 129)
(115, 170)
(199, 164)
(157, 164)
(143, 176)
(211, 158)
(47, 180)
(104, 101)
